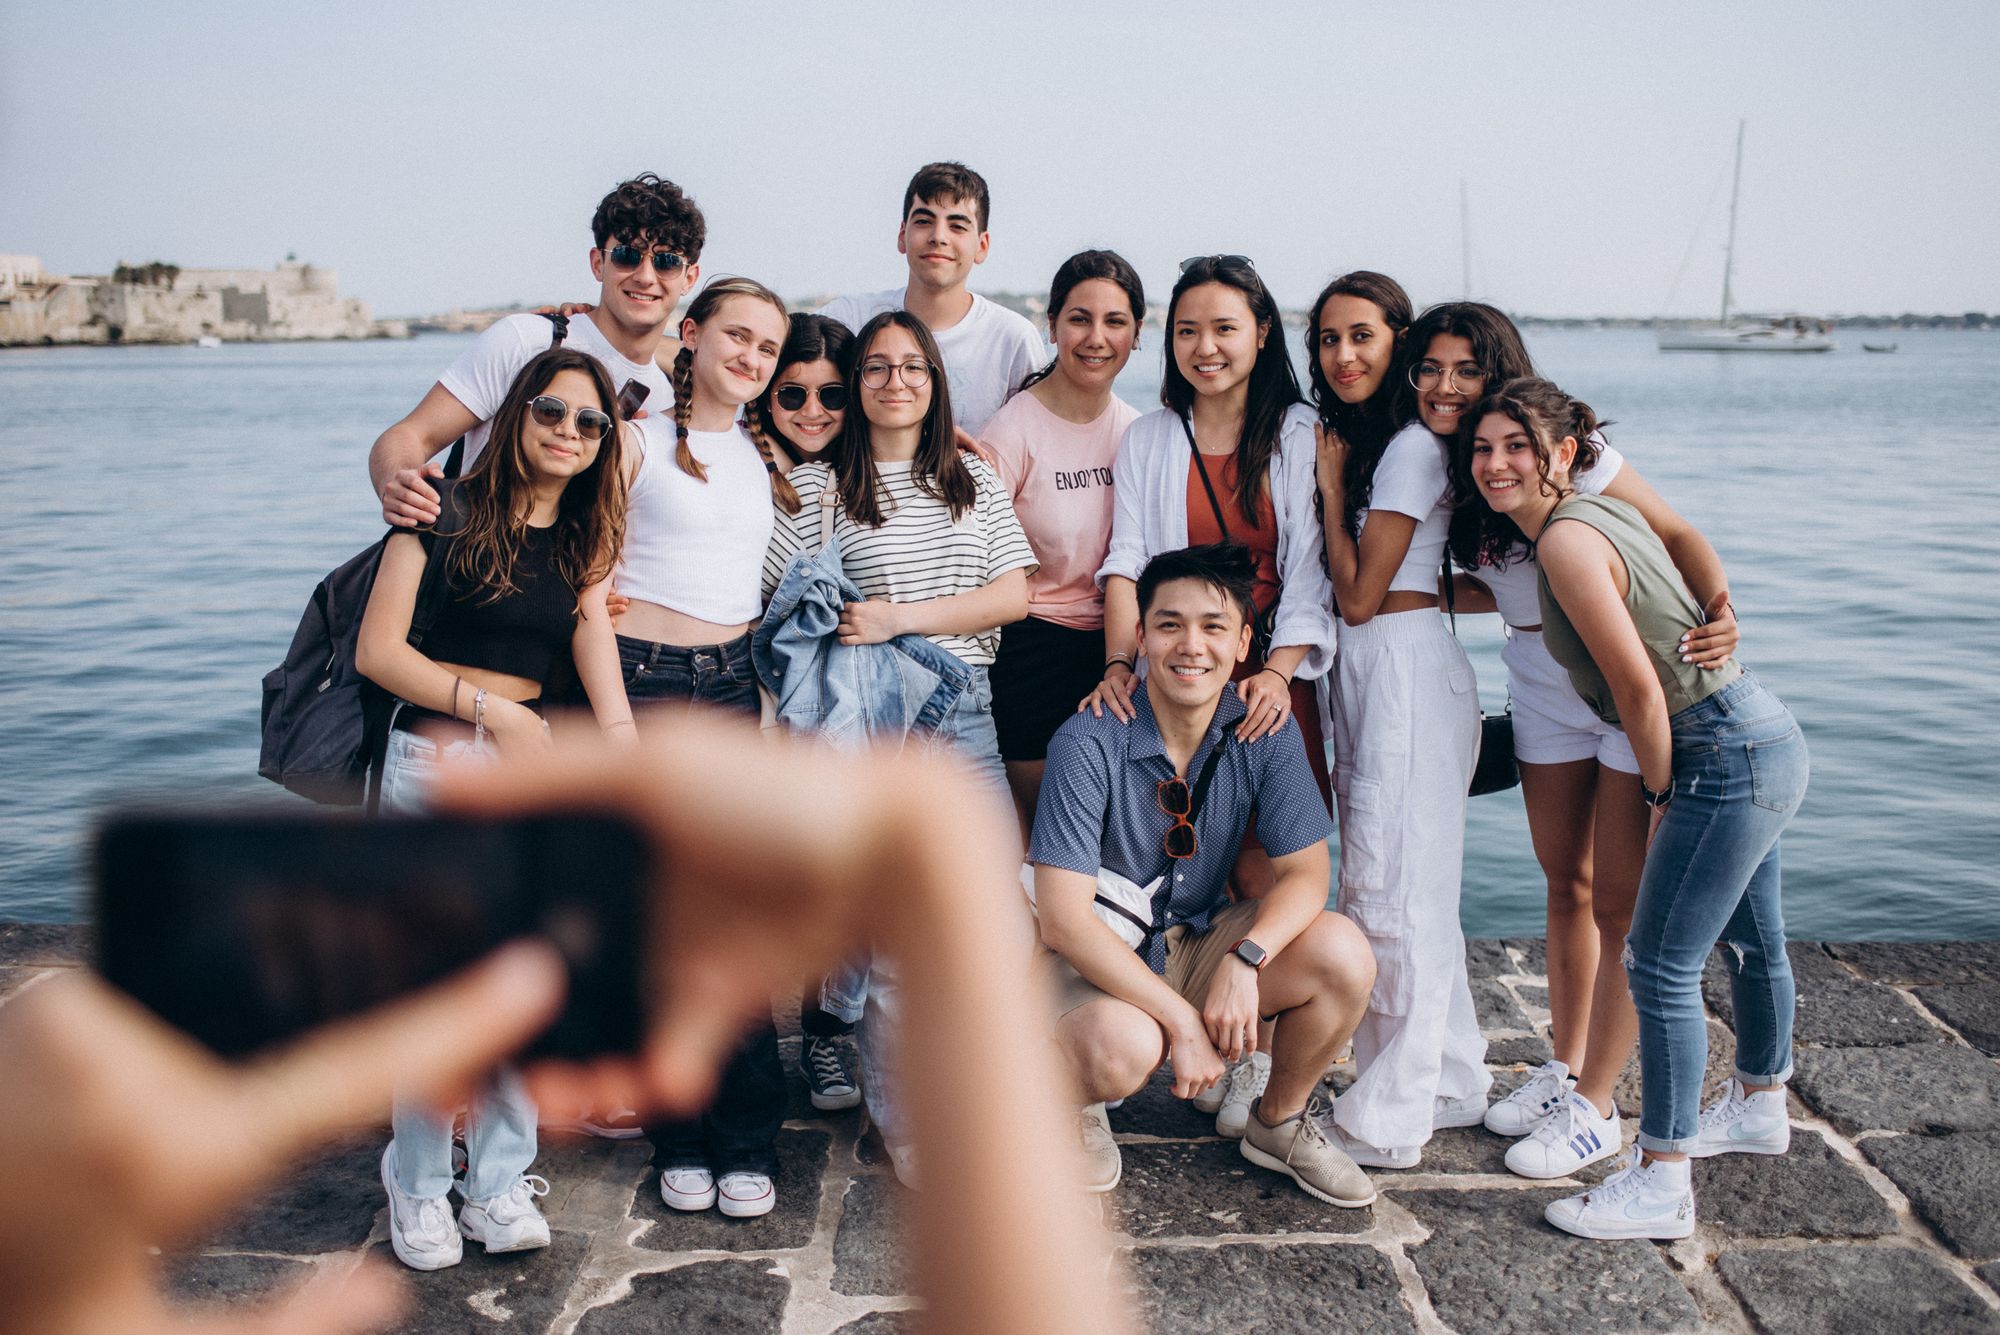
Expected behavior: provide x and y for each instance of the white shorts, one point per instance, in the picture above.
(1552, 724)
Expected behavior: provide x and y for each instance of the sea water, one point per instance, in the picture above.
(165, 512)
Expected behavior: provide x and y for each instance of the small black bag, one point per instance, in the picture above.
(323, 723)
(1495, 771)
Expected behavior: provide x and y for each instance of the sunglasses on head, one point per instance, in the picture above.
(591, 423)
(630, 257)
(1193, 260)
(791, 398)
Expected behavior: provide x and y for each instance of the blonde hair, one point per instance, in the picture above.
(682, 375)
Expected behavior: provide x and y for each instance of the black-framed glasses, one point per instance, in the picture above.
(1465, 379)
(1193, 260)
(913, 373)
(832, 397)
(1177, 801)
(630, 257)
(591, 423)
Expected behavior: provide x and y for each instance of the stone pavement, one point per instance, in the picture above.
(1885, 1216)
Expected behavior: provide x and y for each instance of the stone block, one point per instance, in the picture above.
(326, 1204)
(1950, 1182)
(1493, 1264)
(1990, 1274)
(45, 943)
(1487, 958)
(1807, 1192)
(513, 1291)
(1629, 1091)
(1923, 1087)
(715, 1297)
(592, 1181)
(1496, 1007)
(1518, 1052)
(1533, 954)
(868, 1256)
(1245, 1287)
(1463, 1149)
(1835, 1009)
(1922, 963)
(802, 1157)
(1533, 996)
(1852, 1288)
(1971, 1008)
(1154, 1111)
(226, 1280)
(1208, 1189)
(881, 1323)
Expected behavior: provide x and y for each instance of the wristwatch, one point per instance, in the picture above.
(1251, 953)
(1657, 800)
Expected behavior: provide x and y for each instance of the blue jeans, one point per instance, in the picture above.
(711, 674)
(500, 1143)
(969, 731)
(1712, 874)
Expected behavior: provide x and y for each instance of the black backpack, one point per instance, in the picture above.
(324, 724)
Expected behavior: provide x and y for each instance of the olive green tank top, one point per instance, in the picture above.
(1661, 608)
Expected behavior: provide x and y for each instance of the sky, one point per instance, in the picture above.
(451, 155)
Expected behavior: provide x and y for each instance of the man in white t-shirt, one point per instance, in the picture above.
(648, 236)
(987, 348)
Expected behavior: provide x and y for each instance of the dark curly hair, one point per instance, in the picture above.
(649, 209)
(1366, 427)
(1547, 415)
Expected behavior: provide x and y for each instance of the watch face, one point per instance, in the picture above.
(1250, 953)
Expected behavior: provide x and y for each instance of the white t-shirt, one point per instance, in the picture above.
(698, 547)
(918, 552)
(1514, 585)
(484, 372)
(987, 354)
(1411, 480)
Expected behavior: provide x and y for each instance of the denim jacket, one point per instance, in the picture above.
(849, 695)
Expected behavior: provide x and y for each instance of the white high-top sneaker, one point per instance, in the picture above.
(1741, 1123)
(1641, 1200)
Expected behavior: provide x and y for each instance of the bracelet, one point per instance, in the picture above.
(479, 714)
(456, 682)
(1115, 658)
(1657, 800)
(1279, 675)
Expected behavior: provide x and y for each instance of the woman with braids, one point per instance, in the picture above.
(1228, 458)
(544, 513)
(1722, 767)
(1053, 445)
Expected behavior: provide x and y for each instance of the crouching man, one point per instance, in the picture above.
(1138, 826)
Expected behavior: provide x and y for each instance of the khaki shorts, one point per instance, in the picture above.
(1191, 961)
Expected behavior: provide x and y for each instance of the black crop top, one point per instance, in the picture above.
(523, 634)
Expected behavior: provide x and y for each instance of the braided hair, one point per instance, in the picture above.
(721, 289)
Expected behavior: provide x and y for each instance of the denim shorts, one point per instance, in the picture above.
(708, 674)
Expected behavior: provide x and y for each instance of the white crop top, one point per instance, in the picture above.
(1410, 480)
(693, 546)
(1514, 585)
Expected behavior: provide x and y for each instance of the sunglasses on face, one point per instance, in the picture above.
(913, 373)
(791, 398)
(591, 423)
(631, 257)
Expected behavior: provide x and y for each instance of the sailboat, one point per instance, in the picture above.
(1787, 333)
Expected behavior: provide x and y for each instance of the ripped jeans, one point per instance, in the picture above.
(1712, 874)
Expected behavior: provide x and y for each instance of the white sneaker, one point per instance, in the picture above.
(1641, 1200)
(1572, 1137)
(1210, 1099)
(1741, 1123)
(1448, 1113)
(1521, 1111)
(1374, 1156)
(420, 1230)
(1103, 1166)
(1246, 1086)
(745, 1195)
(511, 1221)
(687, 1188)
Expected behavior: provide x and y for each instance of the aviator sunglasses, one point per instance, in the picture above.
(630, 257)
(591, 423)
(791, 398)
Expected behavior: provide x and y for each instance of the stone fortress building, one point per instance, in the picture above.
(162, 303)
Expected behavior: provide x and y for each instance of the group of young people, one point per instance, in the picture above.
(900, 522)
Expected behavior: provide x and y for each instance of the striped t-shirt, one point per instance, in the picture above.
(917, 553)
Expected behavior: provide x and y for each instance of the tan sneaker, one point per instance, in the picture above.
(1300, 1148)
(1102, 1166)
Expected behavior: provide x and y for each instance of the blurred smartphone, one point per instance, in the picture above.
(245, 930)
(631, 399)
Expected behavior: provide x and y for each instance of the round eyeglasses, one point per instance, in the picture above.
(1464, 379)
(914, 374)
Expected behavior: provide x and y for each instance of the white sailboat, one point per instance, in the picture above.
(1784, 333)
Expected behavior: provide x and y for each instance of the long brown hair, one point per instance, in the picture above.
(939, 470)
(590, 517)
(1366, 427)
(704, 306)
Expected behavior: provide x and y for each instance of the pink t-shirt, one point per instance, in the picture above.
(1059, 474)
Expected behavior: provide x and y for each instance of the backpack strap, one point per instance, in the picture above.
(455, 461)
(431, 589)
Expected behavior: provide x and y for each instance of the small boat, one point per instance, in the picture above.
(208, 341)
(1878, 347)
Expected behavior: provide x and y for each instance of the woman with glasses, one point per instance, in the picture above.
(806, 405)
(1054, 444)
(925, 531)
(543, 513)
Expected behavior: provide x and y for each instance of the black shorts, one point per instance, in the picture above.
(1041, 673)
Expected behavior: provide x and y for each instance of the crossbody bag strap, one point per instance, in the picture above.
(829, 502)
(1206, 485)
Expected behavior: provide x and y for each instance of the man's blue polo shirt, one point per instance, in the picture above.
(1099, 803)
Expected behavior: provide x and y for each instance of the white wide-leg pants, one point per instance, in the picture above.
(1405, 728)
